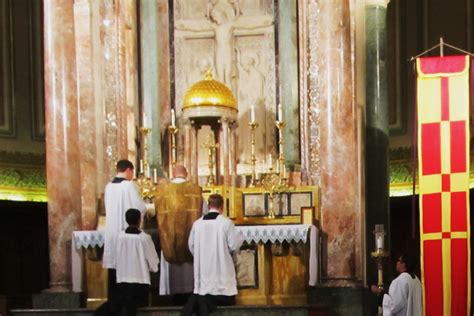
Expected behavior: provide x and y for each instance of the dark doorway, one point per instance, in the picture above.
(24, 263)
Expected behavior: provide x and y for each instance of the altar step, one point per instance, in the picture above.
(176, 311)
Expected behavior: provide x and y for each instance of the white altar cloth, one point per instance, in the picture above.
(260, 233)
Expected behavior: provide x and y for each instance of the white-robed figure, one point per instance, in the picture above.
(121, 194)
(404, 297)
(136, 257)
(212, 240)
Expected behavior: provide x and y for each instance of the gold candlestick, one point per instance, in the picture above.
(379, 254)
(173, 131)
(144, 182)
(281, 158)
(253, 181)
(211, 146)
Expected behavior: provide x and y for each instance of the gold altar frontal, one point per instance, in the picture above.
(282, 276)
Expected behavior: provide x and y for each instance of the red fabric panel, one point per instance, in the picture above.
(446, 64)
(444, 99)
(458, 212)
(446, 182)
(458, 146)
(431, 148)
(432, 213)
(433, 274)
(459, 268)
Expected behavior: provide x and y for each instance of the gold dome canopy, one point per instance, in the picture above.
(209, 92)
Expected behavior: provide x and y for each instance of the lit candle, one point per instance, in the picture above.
(270, 162)
(144, 119)
(280, 113)
(173, 118)
(141, 166)
(155, 176)
(284, 172)
(252, 114)
(278, 166)
(379, 242)
(148, 171)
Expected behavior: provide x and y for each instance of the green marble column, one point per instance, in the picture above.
(288, 57)
(377, 138)
(150, 79)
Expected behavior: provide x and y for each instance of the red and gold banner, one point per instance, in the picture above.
(443, 153)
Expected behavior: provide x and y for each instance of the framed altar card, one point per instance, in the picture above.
(299, 200)
(246, 267)
(307, 215)
(254, 204)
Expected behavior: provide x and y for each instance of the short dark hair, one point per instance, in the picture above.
(123, 165)
(215, 200)
(411, 262)
(132, 216)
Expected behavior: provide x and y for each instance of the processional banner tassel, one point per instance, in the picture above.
(443, 154)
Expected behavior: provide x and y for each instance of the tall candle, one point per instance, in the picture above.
(379, 242)
(155, 176)
(141, 166)
(173, 118)
(144, 123)
(252, 114)
(270, 162)
(280, 113)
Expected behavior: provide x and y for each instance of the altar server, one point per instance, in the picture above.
(136, 258)
(404, 297)
(121, 194)
(212, 240)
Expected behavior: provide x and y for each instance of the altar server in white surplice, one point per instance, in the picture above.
(212, 240)
(404, 297)
(136, 258)
(121, 194)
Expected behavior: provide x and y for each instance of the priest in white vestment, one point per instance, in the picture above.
(404, 297)
(121, 194)
(212, 240)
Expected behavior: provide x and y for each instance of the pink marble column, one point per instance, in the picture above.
(187, 145)
(87, 114)
(194, 154)
(62, 151)
(341, 212)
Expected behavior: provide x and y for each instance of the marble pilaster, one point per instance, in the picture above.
(332, 132)
(288, 52)
(376, 133)
(87, 117)
(62, 150)
(119, 81)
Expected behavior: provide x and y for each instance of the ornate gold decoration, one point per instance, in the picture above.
(144, 182)
(211, 147)
(209, 92)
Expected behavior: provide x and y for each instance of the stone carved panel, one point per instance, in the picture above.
(236, 40)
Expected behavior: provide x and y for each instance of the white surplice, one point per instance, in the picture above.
(119, 197)
(211, 242)
(404, 297)
(136, 257)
